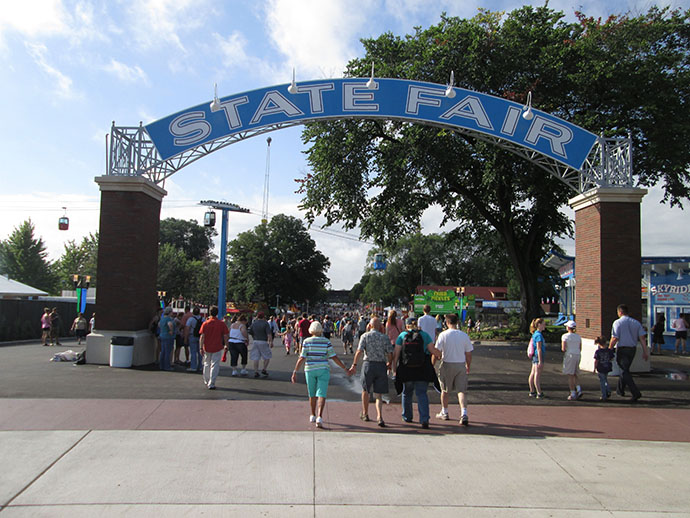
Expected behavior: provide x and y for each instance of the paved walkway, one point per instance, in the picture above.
(152, 456)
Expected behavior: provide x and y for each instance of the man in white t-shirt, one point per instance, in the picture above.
(455, 348)
(427, 323)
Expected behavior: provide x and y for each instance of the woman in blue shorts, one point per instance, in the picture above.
(537, 327)
(316, 351)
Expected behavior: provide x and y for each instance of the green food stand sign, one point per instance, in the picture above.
(441, 302)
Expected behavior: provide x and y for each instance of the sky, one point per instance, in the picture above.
(71, 68)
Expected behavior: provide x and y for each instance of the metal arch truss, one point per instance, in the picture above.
(132, 153)
(609, 163)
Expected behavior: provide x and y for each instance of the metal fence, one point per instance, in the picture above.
(21, 319)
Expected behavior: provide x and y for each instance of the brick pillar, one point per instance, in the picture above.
(126, 294)
(607, 257)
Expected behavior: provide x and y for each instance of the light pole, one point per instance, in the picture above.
(222, 276)
(161, 299)
(81, 286)
(277, 302)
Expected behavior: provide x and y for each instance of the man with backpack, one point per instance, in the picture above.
(413, 370)
(192, 332)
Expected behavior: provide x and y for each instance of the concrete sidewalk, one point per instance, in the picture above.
(95, 441)
(225, 458)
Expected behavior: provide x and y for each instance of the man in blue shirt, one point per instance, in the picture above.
(625, 334)
(414, 370)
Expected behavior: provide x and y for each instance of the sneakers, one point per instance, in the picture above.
(243, 372)
(464, 420)
(234, 372)
(425, 424)
(363, 416)
(312, 418)
(540, 395)
(579, 395)
(264, 373)
(256, 374)
(319, 422)
(443, 416)
(381, 423)
(407, 420)
(212, 387)
(532, 394)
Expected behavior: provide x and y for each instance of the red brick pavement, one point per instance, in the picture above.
(634, 423)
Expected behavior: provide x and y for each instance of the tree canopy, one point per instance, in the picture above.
(193, 239)
(24, 258)
(81, 259)
(623, 75)
(277, 258)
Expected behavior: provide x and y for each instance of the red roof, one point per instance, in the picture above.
(487, 292)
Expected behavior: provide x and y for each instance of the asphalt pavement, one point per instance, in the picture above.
(92, 440)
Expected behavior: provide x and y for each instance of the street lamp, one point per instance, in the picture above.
(224, 207)
(81, 286)
(161, 299)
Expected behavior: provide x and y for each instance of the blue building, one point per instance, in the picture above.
(664, 289)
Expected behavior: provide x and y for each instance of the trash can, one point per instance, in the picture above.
(121, 351)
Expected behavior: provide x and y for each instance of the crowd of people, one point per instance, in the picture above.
(412, 353)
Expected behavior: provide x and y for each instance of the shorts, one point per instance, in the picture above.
(571, 362)
(80, 333)
(260, 350)
(317, 382)
(452, 376)
(683, 335)
(375, 374)
(347, 338)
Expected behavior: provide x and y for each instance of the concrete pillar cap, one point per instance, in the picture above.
(607, 195)
(131, 184)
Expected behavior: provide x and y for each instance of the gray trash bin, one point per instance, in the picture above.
(121, 351)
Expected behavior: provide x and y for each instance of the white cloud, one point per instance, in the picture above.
(161, 22)
(232, 49)
(318, 37)
(126, 73)
(34, 17)
(63, 83)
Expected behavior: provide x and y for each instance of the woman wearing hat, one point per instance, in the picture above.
(571, 345)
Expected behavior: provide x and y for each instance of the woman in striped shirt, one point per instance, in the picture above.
(316, 351)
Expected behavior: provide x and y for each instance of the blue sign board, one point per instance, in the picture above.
(670, 296)
(399, 99)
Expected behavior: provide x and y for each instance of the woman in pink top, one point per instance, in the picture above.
(45, 326)
(394, 326)
(681, 329)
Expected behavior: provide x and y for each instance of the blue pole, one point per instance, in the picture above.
(222, 276)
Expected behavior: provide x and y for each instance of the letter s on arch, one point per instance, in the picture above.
(190, 128)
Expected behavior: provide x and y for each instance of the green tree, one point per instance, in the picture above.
(24, 258)
(627, 74)
(175, 272)
(193, 239)
(81, 259)
(452, 259)
(278, 258)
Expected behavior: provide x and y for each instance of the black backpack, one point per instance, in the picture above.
(413, 354)
(196, 330)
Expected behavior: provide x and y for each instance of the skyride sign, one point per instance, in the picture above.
(399, 99)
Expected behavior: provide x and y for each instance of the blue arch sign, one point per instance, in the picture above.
(413, 101)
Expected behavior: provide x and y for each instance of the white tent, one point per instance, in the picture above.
(10, 289)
